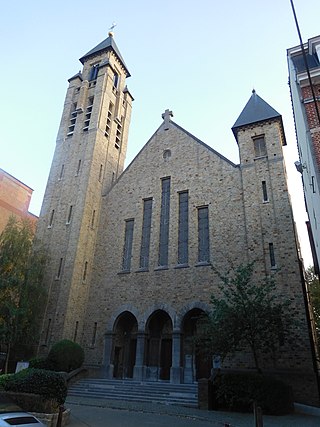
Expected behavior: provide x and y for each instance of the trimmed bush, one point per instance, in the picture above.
(238, 392)
(65, 356)
(48, 384)
(3, 379)
(40, 363)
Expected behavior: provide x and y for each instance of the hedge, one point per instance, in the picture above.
(238, 392)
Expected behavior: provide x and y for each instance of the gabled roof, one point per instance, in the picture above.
(256, 110)
(105, 46)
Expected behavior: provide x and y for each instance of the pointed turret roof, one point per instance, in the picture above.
(105, 46)
(256, 110)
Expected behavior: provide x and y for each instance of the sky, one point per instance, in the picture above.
(201, 59)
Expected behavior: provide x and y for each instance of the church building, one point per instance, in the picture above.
(131, 252)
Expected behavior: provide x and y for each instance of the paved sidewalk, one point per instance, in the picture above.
(109, 413)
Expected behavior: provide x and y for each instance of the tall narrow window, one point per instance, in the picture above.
(78, 167)
(146, 230)
(69, 214)
(94, 72)
(93, 342)
(100, 173)
(75, 332)
(164, 223)
(109, 120)
(88, 113)
(127, 249)
(264, 191)
(59, 272)
(272, 256)
(313, 184)
(51, 219)
(118, 132)
(260, 148)
(61, 172)
(73, 118)
(47, 332)
(203, 235)
(93, 217)
(183, 228)
(85, 270)
(115, 80)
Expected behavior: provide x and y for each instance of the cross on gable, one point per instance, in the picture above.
(166, 117)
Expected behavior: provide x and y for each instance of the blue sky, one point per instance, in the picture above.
(199, 58)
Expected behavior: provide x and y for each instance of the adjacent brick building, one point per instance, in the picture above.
(305, 95)
(131, 252)
(15, 199)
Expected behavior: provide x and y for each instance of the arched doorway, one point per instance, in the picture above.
(124, 345)
(159, 345)
(195, 362)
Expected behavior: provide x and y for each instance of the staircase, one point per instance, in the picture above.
(137, 391)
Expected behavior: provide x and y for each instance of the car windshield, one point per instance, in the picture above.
(19, 421)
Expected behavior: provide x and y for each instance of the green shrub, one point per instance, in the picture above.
(41, 363)
(3, 379)
(66, 356)
(238, 392)
(48, 384)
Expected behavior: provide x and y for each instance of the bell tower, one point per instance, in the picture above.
(89, 156)
(260, 136)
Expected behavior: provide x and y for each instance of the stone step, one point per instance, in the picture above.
(143, 384)
(155, 392)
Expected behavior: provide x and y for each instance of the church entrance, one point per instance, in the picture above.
(125, 343)
(159, 346)
(195, 362)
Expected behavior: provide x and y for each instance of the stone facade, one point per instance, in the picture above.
(117, 282)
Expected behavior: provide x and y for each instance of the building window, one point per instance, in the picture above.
(203, 235)
(183, 228)
(127, 249)
(115, 80)
(164, 223)
(146, 231)
(88, 113)
(93, 218)
(51, 219)
(94, 72)
(260, 148)
(69, 214)
(73, 118)
(59, 272)
(100, 173)
(47, 332)
(264, 191)
(118, 132)
(61, 172)
(107, 132)
(93, 342)
(75, 332)
(84, 276)
(272, 257)
(313, 184)
(78, 168)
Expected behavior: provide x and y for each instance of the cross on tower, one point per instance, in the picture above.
(166, 117)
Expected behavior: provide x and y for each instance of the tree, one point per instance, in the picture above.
(21, 291)
(314, 291)
(246, 314)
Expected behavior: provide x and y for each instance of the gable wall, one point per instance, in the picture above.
(210, 181)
